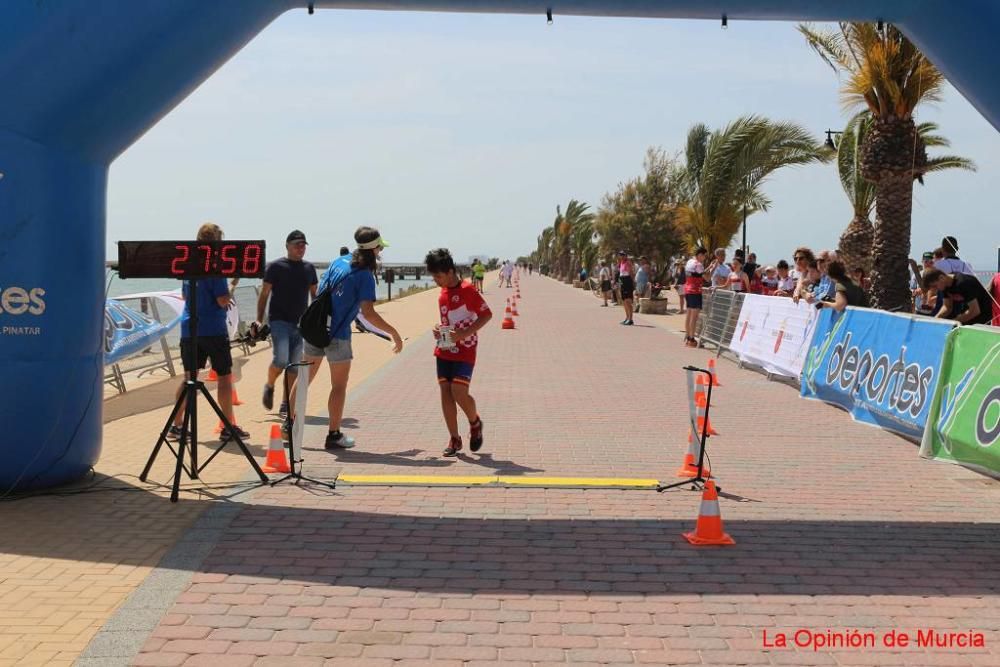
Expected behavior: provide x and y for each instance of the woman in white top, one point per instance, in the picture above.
(737, 279)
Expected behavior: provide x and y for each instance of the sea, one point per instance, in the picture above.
(118, 287)
(246, 296)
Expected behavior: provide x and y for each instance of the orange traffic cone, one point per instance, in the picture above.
(701, 402)
(236, 398)
(276, 461)
(690, 466)
(715, 376)
(508, 321)
(212, 376)
(219, 427)
(708, 530)
(513, 308)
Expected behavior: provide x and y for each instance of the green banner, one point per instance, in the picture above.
(964, 422)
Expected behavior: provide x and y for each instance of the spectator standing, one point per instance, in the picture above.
(803, 258)
(738, 281)
(642, 279)
(694, 271)
(626, 275)
(950, 263)
(769, 281)
(679, 279)
(786, 281)
(289, 284)
(604, 276)
(718, 269)
(846, 292)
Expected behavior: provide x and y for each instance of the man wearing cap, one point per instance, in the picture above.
(289, 282)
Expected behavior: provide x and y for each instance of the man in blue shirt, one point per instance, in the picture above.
(352, 282)
(213, 339)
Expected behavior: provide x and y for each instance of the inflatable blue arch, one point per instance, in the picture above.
(81, 80)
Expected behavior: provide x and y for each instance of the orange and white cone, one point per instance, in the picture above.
(212, 376)
(513, 308)
(236, 398)
(690, 466)
(276, 460)
(508, 321)
(708, 530)
(712, 370)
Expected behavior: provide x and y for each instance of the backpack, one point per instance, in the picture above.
(314, 323)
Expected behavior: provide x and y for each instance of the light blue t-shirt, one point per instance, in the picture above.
(352, 287)
(641, 280)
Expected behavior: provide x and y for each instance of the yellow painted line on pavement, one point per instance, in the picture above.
(503, 481)
(581, 482)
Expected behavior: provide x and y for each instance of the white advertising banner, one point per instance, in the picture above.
(774, 333)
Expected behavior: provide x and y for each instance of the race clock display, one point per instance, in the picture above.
(187, 260)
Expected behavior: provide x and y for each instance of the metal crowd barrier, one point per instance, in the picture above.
(163, 353)
(719, 315)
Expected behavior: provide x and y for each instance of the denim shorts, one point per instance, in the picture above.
(286, 344)
(337, 352)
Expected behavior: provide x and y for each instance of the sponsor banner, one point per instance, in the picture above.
(127, 331)
(774, 333)
(964, 421)
(881, 367)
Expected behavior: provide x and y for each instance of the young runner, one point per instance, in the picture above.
(463, 312)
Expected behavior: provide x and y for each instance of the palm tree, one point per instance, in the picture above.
(888, 75)
(855, 248)
(576, 219)
(583, 240)
(545, 247)
(726, 170)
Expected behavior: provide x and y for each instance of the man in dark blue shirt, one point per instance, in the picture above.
(213, 339)
(289, 282)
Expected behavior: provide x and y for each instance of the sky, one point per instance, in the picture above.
(465, 131)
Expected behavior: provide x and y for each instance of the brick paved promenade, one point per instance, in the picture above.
(839, 526)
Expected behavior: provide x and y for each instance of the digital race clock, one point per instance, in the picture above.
(187, 260)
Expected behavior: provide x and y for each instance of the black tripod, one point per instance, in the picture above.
(699, 479)
(302, 391)
(189, 430)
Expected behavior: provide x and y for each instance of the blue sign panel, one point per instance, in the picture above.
(127, 331)
(881, 367)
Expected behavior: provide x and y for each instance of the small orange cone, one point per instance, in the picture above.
(276, 461)
(715, 376)
(513, 308)
(508, 321)
(690, 466)
(236, 398)
(708, 530)
(212, 376)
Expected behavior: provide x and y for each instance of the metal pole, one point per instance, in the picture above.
(744, 231)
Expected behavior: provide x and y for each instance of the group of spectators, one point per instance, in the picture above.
(944, 286)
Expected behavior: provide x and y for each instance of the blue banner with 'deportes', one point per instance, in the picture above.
(881, 367)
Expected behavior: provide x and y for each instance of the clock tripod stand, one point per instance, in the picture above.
(188, 402)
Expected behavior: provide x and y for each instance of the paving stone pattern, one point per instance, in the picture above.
(838, 525)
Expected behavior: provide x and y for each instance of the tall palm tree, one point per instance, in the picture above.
(855, 247)
(726, 170)
(577, 217)
(885, 73)
(583, 239)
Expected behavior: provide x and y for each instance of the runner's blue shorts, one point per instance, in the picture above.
(459, 372)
